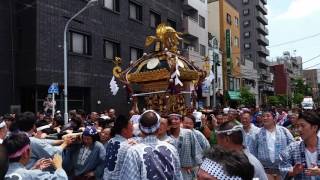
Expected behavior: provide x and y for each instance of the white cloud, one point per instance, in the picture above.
(299, 9)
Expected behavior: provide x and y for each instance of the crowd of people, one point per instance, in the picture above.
(268, 144)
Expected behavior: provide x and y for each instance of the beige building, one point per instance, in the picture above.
(224, 23)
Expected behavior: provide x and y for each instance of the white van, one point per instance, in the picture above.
(307, 103)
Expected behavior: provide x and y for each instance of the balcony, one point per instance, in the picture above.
(263, 62)
(190, 28)
(193, 55)
(262, 28)
(263, 40)
(262, 8)
(263, 50)
(189, 7)
(262, 18)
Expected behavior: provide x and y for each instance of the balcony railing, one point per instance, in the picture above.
(262, 8)
(262, 28)
(262, 39)
(262, 18)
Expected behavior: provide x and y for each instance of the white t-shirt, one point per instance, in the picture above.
(311, 159)
(271, 140)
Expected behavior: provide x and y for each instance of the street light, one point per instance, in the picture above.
(65, 59)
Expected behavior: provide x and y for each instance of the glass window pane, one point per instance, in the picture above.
(77, 43)
(109, 50)
(108, 4)
(152, 20)
(133, 54)
(133, 11)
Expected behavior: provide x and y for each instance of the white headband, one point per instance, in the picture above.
(2, 124)
(216, 170)
(44, 127)
(153, 128)
(230, 131)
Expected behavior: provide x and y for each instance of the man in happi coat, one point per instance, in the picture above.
(269, 143)
(230, 135)
(151, 158)
(301, 159)
(189, 149)
(223, 164)
(85, 160)
(189, 123)
(250, 130)
(117, 147)
(40, 148)
(18, 148)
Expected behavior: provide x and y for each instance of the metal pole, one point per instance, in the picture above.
(65, 59)
(214, 82)
(54, 105)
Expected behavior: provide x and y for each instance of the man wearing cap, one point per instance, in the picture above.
(223, 164)
(230, 135)
(85, 160)
(3, 130)
(301, 159)
(18, 148)
(269, 143)
(117, 147)
(151, 159)
(189, 149)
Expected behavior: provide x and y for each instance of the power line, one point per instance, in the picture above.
(311, 59)
(312, 66)
(294, 41)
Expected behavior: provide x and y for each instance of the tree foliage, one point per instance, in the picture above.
(247, 98)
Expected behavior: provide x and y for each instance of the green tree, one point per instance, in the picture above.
(297, 98)
(247, 98)
(273, 101)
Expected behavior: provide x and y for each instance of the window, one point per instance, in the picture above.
(172, 23)
(236, 21)
(80, 43)
(202, 50)
(245, 1)
(135, 53)
(246, 12)
(247, 45)
(202, 22)
(111, 50)
(135, 11)
(229, 19)
(246, 34)
(112, 5)
(246, 23)
(247, 56)
(155, 19)
(236, 41)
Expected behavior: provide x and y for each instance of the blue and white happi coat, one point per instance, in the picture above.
(250, 137)
(190, 152)
(293, 154)
(261, 151)
(116, 151)
(204, 143)
(17, 171)
(79, 160)
(151, 159)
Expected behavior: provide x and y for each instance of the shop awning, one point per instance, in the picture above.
(234, 95)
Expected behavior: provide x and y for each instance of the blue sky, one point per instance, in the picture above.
(295, 19)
